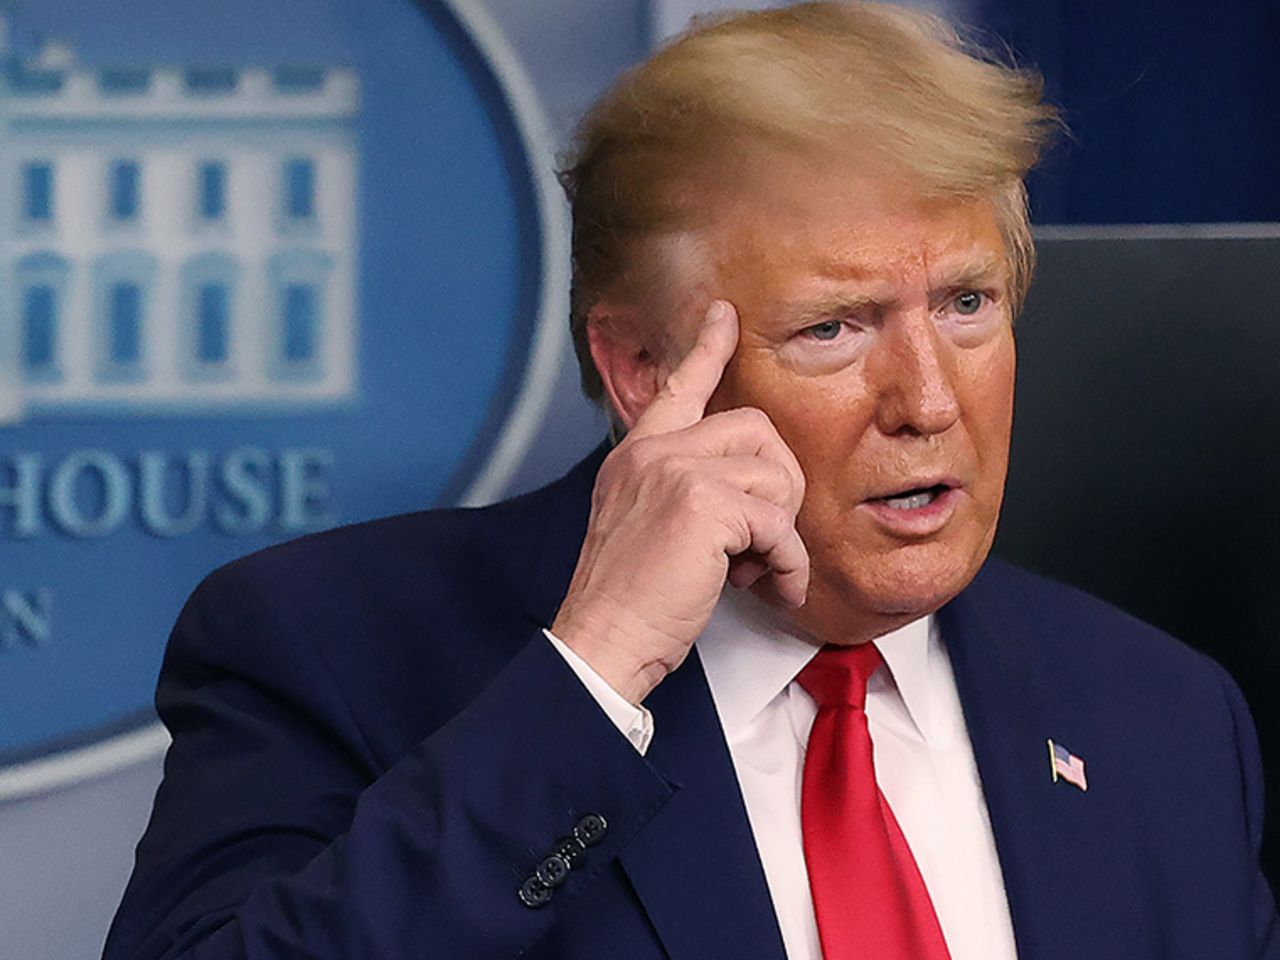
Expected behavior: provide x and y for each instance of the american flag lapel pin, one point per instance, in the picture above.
(1065, 765)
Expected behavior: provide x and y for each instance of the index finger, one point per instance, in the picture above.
(682, 401)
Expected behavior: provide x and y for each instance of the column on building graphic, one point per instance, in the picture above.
(178, 238)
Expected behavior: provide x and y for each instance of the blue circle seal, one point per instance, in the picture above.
(269, 266)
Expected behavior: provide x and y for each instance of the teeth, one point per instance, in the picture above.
(913, 502)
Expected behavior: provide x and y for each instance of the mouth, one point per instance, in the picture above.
(917, 510)
(914, 498)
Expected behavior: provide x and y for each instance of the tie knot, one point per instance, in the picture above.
(837, 676)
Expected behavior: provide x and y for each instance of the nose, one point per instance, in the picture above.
(913, 378)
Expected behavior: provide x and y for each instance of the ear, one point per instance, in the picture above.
(627, 364)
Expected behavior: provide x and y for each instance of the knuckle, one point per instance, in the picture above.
(669, 467)
(779, 520)
(629, 463)
(692, 492)
(664, 468)
(771, 522)
(782, 476)
(798, 485)
(738, 530)
(607, 475)
(754, 418)
(635, 454)
(611, 462)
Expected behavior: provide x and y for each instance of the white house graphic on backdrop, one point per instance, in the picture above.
(174, 238)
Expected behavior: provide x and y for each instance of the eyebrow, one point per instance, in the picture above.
(972, 273)
(824, 308)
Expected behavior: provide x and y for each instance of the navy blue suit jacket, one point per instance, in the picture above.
(374, 746)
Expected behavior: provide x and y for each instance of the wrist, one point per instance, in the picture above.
(607, 650)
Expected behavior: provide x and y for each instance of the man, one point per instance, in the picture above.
(550, 729)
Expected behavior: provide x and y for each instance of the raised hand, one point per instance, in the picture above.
(684, 501)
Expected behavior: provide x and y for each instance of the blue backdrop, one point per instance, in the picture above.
(449, 273)
(1173, 106)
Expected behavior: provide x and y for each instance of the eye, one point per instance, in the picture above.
(969, 303)
(827, 330)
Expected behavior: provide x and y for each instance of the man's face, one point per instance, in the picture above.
(876, 333)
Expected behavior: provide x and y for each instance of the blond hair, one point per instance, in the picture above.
(892, 88)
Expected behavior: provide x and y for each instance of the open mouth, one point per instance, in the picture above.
(914, 499)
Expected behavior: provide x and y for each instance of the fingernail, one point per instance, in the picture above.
(718, 312)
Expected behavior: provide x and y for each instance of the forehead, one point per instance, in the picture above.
(829, 223)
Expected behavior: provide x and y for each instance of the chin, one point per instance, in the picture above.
(914, 581)
(878, 593)
(908, 601)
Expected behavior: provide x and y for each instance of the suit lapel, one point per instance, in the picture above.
(695, 865)
(1052, 852)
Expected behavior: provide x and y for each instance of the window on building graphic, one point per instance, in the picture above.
(208, 283)
(40, 280)
(299, 279)
(40, 329)
(124, 325)
(31, 80)
(122, 283)
(299, 189)
(124, 81)
(211, 80)
(212, 332)
(300, 323)
(37, 192)
(125, 202)
(298, 79)
(212, 191)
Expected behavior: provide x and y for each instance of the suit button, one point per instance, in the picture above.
(590, 830)
(574, 853)
(553, 871)
(534, 893)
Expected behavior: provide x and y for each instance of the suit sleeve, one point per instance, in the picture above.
(1266, 922)
(278, 833)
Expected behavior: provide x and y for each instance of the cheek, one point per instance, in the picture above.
(820, 418)
(989, 407)
(989, 420)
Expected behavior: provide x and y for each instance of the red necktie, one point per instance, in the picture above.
(870, 900)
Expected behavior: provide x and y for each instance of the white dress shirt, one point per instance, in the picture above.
(924, 765)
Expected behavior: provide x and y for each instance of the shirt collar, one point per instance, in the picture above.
(911, 653)
(750, 654)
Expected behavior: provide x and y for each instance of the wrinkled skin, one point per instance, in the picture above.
(875, 337)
